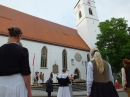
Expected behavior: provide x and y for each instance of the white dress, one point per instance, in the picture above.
(13, 86)
(63, 91)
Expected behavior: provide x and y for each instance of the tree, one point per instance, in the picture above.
(128, 30)
(114, 41)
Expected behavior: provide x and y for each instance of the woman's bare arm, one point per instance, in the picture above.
(28, 84)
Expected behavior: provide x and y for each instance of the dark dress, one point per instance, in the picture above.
(51, 75)
(127, 72)
(100, 89)
(49, 87)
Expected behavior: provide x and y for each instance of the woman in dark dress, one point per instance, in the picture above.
(49, 86)
(126, 76)
(63, 80)
(99, 77)
(14, 67)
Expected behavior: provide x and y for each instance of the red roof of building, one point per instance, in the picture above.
(40, 30)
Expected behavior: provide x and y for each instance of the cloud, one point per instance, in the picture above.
(107, 9)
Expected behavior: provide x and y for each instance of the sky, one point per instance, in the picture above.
(62, 11)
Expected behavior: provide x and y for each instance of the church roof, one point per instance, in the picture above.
(37, 29)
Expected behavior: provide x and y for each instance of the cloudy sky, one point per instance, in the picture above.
(62, 11)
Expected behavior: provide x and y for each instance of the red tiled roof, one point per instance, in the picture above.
(40, 30)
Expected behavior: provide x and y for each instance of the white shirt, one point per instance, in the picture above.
(123, 77)
(90, 76)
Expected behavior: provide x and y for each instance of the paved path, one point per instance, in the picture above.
(121, 94)
(40, 93)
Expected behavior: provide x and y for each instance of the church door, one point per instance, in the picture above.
(77, 74)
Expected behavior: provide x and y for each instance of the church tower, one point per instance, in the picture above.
(87, 21)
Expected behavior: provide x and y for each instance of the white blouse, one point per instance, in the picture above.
(90, 76)
(123, 77)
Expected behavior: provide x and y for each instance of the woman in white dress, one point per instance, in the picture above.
(63, 80)
(14, 67)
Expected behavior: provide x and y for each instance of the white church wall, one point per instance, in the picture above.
(93, 31)
(36, 47)
(3, 39)
(54, 55)
(84, 8)
(88, 30)
(87, 25)
(81, 8)
(83, 32)
(77, 65)
(94, 12)
(80, 3)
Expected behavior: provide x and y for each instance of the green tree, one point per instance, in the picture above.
(114, 41)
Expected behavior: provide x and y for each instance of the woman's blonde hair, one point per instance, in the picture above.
(97, 57)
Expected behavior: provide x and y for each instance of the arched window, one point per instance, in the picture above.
(44, 57)
(90, 11)
(80, 14)
(64, 59)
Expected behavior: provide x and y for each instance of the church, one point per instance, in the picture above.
(53, 46)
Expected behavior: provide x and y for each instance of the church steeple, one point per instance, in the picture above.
(87, 21)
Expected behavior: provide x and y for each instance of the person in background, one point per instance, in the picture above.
(41, 77)
(63, 80)
(38, 78)
(35, 80)
(49, 86)
(51, 75)
(99, 77)
(75, 76)
(70, 85)
(126, 76)
(14, 67)
(56, 78)
(71, 78)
